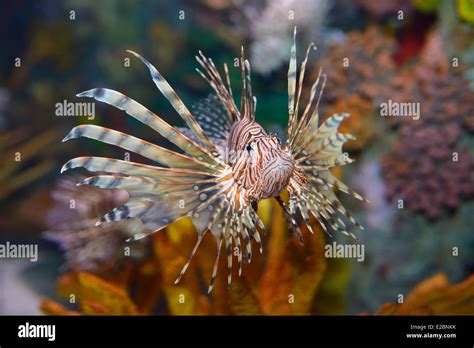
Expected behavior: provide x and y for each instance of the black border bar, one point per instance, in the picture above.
(260, 330)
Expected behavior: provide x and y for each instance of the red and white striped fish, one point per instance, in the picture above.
(227, 163)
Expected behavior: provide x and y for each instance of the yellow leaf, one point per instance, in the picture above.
(275, 285)
(292, 273)
(171, 257)
(182, 301)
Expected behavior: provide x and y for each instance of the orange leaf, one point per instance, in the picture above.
(435, 296)
(244, 300)
(98, 291)
(50, 307)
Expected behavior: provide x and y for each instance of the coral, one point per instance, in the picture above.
(385, 8)
(421, 169)
(427, 166)
(358, 70)
(435, 296)
(361, 64)
(438, 86)
(270, 29)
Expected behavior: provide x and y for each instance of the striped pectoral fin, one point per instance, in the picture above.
(176, 102)
(134, 208)
(313, 193)
(188, 262)
(330, 206)
(325, 161)
(317, 206)
(128, 183)
(251, 222)
(217, 220)
(111, 165)
(329, 151)
(246, 242)
(291, 221)
(158, 217)
(216, 213)
(235, 233)
(142, 114)
(314, 138)
(167, 210)
(214, 220)
(216, 264)
(325, 177)
(328, 129)
(304, 211)
(228, 248)
(139, 146)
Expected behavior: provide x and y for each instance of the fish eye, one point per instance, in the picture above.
(249, 148)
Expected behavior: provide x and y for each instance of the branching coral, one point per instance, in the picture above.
(358, 70)
(385, 8)
(428, 171)
(427, 166)
(270, 29)
(362, 64)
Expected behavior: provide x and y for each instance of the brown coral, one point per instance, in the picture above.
(428, 171)
(362, 64)
(427, 167)
(383, 8)
(358, 71)
(438, 85)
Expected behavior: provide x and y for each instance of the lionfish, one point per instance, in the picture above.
(220, 193)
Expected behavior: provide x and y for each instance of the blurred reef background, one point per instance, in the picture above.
(417, 174)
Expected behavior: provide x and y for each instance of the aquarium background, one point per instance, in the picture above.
(417, 174)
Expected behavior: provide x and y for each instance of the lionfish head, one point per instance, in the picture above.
(262, 166)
